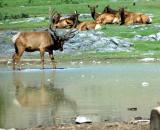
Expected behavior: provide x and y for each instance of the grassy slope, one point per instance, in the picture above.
(40, 8)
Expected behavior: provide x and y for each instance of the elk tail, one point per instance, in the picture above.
(14, 38)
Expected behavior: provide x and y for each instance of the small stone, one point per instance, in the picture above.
(82, 119)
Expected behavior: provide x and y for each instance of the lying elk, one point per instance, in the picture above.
(107, 9)
(128, 18)
(43, 41)
(85, 25)
(108, 18)
(59, 22)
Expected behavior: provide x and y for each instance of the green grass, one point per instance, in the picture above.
(40, 8)
(129, 32)
(25, 26)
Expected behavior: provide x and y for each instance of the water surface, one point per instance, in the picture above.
(33, 97)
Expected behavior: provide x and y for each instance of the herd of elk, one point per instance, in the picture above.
(107, 16)
(49, 40)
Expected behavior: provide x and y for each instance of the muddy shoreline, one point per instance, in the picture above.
(97, 126)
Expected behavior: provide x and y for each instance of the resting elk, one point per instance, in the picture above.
(129, 18)
(59, 22)
(94, 14)
(107, 9)
(104, 18)
(42, 41)
(108, 18)
(85, 25)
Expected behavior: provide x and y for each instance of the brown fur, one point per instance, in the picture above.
(129, 18)
(107, 18)
(43, 41)
(64, 23)
(57, 22)
(85, 25)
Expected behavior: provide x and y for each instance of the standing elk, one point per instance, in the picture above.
(129, 18)
(43, 41)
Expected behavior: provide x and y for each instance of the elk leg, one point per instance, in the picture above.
(16, 58)
(42, 58)
(52, 60)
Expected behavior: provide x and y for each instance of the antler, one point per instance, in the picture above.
(54, 16)
(53, 32)
(70, 34)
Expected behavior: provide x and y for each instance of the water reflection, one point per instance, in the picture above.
(36, 101)
(104, 92)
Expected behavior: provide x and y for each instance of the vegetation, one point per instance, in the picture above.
(14, 10)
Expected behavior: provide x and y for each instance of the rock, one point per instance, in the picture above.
(155, 119)
(82, 119)
(95, 40)
(141, 121)
(84, 41)
(145, 84)
(152, 37)
(148, 59)
(132, 109)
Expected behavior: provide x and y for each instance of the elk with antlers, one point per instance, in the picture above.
(43, 41)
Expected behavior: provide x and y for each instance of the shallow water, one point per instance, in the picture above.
(33, 97)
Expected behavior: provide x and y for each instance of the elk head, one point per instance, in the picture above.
(93, 8)
(60, 40)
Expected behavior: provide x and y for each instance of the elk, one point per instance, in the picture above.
(108, 18)
(104, 18)
(42, 41)
(129, 18)
(107, 9)
(85, 25)
(94, 14)
(59, 22)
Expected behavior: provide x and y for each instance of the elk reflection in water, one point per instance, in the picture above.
(43, 99)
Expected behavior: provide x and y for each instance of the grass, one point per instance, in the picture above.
(40, 8)
(129, 32)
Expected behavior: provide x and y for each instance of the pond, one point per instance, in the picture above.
(102, 92)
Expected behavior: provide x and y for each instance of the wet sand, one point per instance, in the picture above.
(98, 126)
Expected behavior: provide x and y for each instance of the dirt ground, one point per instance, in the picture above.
(98, 126)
